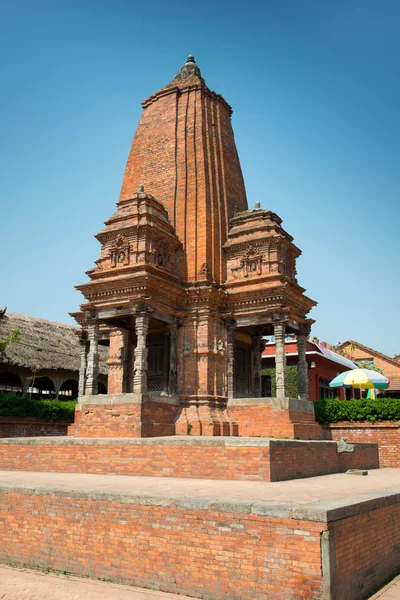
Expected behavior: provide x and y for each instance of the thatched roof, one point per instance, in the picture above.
(44, 344)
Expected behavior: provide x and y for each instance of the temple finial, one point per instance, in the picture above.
(190, 69)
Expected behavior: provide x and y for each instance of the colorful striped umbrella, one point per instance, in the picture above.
(360, 378)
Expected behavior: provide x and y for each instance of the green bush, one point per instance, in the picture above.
(15, 405)
(291, 374)
(334, 410)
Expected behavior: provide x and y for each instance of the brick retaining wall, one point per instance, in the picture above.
(384, 433)
(14, 427)
(216, 550)
(204, 458)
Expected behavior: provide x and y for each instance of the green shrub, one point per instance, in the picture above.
(15, 405)
(291, 374)
(334, 410)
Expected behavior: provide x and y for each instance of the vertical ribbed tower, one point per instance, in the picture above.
(184, 154)
(188, 280)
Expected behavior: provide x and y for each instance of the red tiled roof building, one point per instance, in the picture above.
(188, 281)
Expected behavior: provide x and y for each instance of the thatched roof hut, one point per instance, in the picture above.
(43, 344)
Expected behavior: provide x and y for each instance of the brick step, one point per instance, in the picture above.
(202, 457)
(240, 541)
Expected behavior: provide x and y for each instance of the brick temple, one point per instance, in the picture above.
(188, 282)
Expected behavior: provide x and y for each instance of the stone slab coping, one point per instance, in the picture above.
(175, 440)
(278, 404)
(287, 499)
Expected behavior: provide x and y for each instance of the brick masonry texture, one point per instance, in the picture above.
(261, 420)
(210, 549)
(124, 420)
(386, 434)
(28, 427)
(210, 554)
(273, 460)
(367, 551)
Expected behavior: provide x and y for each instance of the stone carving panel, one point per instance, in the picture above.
(119, 252)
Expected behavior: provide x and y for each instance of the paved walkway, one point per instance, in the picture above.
(298, 491)
(24, 584)
(390, 592)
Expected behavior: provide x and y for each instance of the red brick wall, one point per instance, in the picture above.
(299, 459)
(281, 460)
(367, 551)
(124, 420)
(11, 427)
(261, 420)
(386, 434)
(210, 554)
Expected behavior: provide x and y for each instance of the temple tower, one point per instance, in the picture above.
(188, 282)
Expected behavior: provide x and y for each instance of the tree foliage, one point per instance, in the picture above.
(14, 337)
(364, 364)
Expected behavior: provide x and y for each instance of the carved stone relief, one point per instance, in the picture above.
(120, 252)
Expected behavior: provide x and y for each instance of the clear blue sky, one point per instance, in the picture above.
(315, 89)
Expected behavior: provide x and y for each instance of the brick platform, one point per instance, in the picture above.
(201, 457)
(208, 543)
(384, 433)
(145, 415)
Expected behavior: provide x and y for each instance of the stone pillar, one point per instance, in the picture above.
(280, 360)
(173, 360)
(302, 366)
(92, 369)
(257, 366)
(117, 361)
(231, 360)
(83, 351)
(141, 352)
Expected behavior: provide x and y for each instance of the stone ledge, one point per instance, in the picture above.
(321, 512)
(175, 441)
(118, 399)
(294, 404)
(327, 511)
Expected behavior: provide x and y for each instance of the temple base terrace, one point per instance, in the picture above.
(147, 415)
(333, 537)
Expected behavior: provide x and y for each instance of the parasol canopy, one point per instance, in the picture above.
(361, 379)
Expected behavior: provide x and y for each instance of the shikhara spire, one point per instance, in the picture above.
(188, 280)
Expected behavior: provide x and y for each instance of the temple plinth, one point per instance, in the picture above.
(188, 282)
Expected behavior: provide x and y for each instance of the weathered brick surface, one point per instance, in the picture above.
(210, 554)
(124, 420)
(386, 434)
(367, 551)
(277, 460)
(262, 420)
(30, 427)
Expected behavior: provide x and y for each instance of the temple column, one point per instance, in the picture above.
(173, 360)
(83, 351)
(141, 352)
(92, 368)
(280, 360)
(231, 360)
(117, 361)
(257, 366)
(302, 366)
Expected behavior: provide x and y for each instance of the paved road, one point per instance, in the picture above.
(24, 584)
